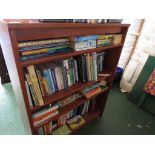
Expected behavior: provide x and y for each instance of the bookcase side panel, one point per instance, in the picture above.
(12, 69)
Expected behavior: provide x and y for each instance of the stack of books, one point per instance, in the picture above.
(76, 122)
(94, 89)
(105, 40)
(44, 115)
(69, 99)
(83, 42)
(40, 48)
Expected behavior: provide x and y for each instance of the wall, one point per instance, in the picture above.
(144, 47)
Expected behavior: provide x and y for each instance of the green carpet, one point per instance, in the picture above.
(120, 116)
(10, 122)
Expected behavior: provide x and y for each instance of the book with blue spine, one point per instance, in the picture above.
(84, 38)
(52, 52)
(48, 80)
(53, 77)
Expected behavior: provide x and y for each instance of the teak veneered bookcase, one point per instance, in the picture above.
(11, 34)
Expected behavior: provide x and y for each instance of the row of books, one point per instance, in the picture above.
(69, 121)
(35, 49)
(45, 79)
(41, 48)
(82, 20)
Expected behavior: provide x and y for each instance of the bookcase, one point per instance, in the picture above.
(12, 34)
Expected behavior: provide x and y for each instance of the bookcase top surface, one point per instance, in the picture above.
(16, 26)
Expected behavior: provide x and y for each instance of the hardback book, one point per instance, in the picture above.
(28, 93)
(27, 48)
(87, 89)
(35, 84)
(92, 92)
(44, 117)
(32, 91)
(114, 20)
(42, 42)
(63, 130)
(83, 38)
(117, 39)
(76, 122)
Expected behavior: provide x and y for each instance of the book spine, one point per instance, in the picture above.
(33, 94)
(35, 83)
(40, 81)
(41, 42)
(76, 70)
(85, 38)
(48, 80)
(22, 49)
(40, 113)
(28, 93)
(54, 79)
(94, 66)
(51, 80)
(57, 77)
(64, 73)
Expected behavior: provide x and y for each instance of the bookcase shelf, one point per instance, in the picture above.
(15, 33)
(66, 55)
(88, 117)
(64, 110)
(68, 108)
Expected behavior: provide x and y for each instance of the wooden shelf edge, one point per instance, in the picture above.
(65, 55)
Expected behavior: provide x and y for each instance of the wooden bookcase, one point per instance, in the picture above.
(13, 33)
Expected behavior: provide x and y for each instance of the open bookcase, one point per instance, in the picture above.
(12, 34)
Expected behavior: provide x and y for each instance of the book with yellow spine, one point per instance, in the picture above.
(35, 84)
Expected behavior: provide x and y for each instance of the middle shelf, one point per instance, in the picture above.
(67, 92)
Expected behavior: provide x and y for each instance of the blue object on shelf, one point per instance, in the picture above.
(118, 74)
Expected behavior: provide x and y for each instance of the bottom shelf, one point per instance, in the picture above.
(88, 117)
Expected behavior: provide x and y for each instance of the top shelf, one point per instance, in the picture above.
(19, 26)
(66, 55)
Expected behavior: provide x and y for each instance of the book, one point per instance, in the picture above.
(105, 37)
(63, 130)
(84, 45)
(92, 92)
(87, 89)
(35, 84)
(48, 53)
(42, 42)
(76, 122)
(84, 38)
(32, 92)
(27, 48)
(28, 94)
(45, 117)
(117, 39)
(44, 50)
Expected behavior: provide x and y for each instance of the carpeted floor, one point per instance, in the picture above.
(120, 116)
